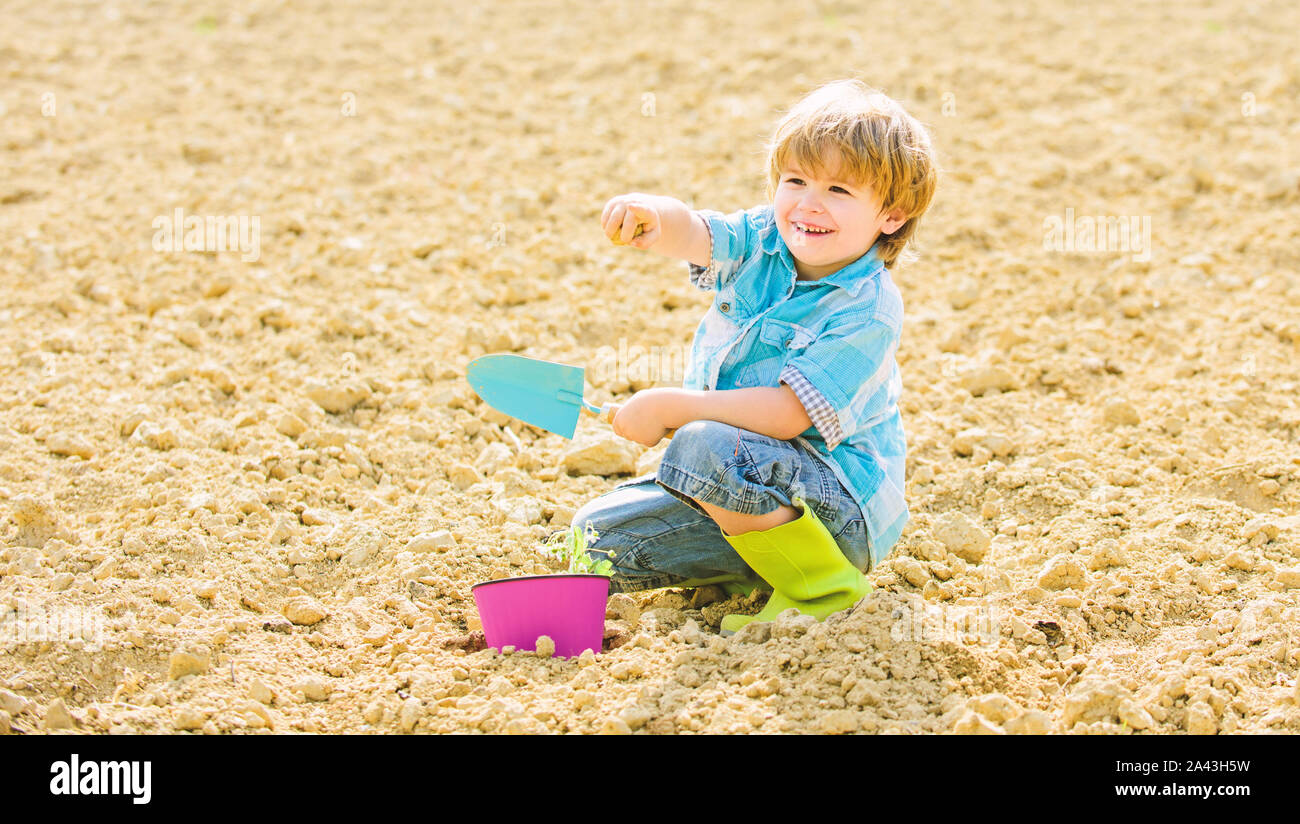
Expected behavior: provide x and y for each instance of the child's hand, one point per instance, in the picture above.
(631, 220)
(641, 419)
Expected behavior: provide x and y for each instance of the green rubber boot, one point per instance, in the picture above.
(805, 567)
(740, 588)
(731, 584)
(719, 580)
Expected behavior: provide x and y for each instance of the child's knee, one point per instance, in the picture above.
(598, 515)
(605, 519)
(704, 447)
(587, 513)
(615, 544)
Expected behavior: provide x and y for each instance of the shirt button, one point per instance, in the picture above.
(725, 307)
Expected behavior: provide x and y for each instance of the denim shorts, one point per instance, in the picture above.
(655, 535)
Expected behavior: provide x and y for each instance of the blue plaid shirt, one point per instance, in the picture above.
(831, 340)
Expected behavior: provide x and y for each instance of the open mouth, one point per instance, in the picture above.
(805, 230)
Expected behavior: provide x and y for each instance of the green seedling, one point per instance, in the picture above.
(570, 547)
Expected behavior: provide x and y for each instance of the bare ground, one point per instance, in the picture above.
(261, 489)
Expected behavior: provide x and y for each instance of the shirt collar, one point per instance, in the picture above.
(852, 278)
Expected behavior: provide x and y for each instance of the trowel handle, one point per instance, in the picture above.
(604, 413)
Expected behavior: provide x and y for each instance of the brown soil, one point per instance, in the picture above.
(270, 484)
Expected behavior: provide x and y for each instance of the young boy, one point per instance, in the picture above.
(788, 456)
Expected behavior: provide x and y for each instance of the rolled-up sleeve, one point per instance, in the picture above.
(730, 239)
(843, 378)
(819, 410)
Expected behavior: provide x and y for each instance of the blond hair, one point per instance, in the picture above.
(878, 142)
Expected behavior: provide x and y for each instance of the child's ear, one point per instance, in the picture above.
(895, 219)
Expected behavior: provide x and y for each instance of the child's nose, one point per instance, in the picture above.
(810, 202)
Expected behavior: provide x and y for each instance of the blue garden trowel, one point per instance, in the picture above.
(545, 394)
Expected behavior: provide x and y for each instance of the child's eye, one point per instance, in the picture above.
(799, 182)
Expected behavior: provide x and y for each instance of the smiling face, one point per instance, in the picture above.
(826, 219)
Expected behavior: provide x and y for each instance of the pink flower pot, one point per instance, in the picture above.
(568, 608)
